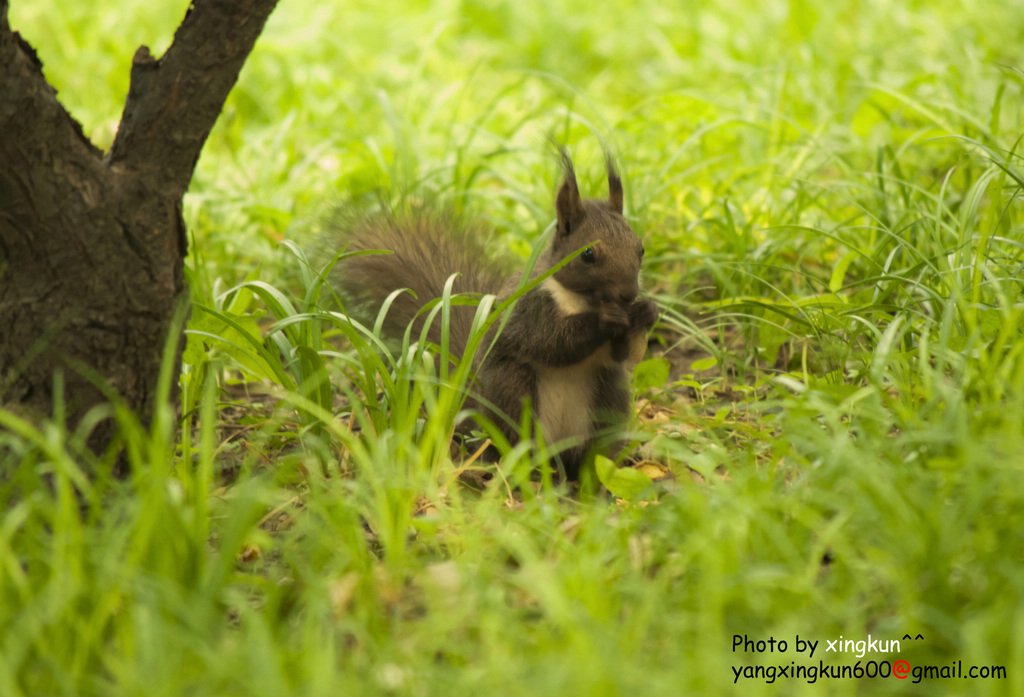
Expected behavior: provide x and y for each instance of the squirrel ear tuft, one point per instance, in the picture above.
(614, 185)
(567, 203)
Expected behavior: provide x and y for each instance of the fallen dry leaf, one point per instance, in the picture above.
(249, 554)
(655, 471)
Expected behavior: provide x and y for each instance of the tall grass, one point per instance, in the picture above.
(830, 201)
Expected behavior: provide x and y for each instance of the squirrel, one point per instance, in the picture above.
(570, 342)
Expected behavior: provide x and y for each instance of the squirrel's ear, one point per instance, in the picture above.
(567, 203)
(614, 185)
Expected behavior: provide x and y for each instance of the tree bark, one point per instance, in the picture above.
(92, 247)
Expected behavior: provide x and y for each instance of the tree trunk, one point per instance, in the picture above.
(92, 247)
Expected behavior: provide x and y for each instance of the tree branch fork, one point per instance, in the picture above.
(92, 246)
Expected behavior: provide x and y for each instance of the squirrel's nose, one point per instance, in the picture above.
(627, 293)
(620, 293)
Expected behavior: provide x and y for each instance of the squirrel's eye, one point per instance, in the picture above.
(588, 255)
(642, 250)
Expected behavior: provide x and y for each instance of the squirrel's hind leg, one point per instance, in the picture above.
(610, 410)
(503, 386)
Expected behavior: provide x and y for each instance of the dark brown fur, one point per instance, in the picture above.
(429, 247)
(569, 340)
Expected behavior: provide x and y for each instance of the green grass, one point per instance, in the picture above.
(830, 198)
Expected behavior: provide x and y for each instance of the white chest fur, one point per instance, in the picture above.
(569, 301)
(565, 395)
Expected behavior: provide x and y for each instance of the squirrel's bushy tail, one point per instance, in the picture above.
(428, 246)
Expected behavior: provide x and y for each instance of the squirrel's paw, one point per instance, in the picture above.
(642, 315)
(613, 319)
